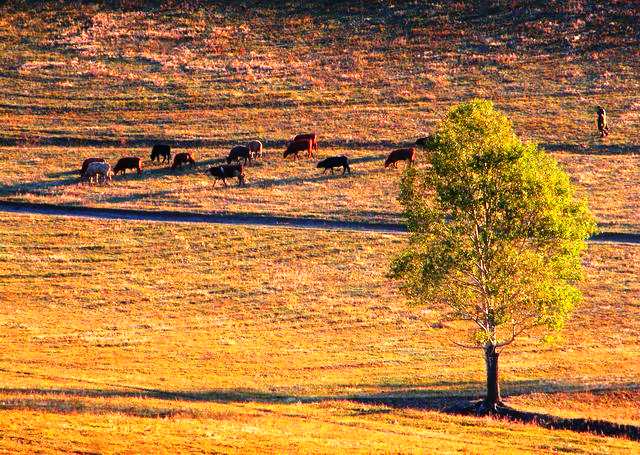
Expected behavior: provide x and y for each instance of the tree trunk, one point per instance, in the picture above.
(493, 399)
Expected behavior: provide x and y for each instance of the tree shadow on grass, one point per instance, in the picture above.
(76, 406)
(459, 401)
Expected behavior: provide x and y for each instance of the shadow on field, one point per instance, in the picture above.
(64, 173)
(38, 186)
(461, 401)
(592, 149)
(321, 177)
(148, 172)
(154, 171)
(138, 196)
(75, 406)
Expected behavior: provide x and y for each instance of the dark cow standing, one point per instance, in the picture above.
(299, 146)
(181, 159)
(406, 154)
(87, 162)
(425, 142)
(128, 162)
(335, 161)
(161, 150)
(313, 137)
(226, 171)
(240, 152)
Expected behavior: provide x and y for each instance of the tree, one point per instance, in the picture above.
(496, 234)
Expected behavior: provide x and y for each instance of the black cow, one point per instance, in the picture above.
(128, 162)
(161, 150)
(226, 171)
(425, 142)
(335, 161)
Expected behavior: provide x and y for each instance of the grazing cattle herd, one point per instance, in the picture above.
(97, 170)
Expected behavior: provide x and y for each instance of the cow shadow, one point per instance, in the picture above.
(275, 182)
(75, 172)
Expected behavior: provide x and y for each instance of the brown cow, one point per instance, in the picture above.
(87, 162)
(299, 146)
(256, 148)
(313, 137)
(406, 154)
(128, 162)
(240, 152)
(182, 158)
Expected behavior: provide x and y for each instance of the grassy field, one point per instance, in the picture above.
(132, 337)
(80, 81)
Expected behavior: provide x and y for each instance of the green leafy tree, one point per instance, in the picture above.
(496, 234)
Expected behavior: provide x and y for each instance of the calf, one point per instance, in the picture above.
(239, 152)
(313, 137)
(299, 146)
(98, 170)
(87, 162)
(128, 162)
(182, 158)
(335, 161)
(161, 150)
(226, 171)
(406, 154)
(256, 148)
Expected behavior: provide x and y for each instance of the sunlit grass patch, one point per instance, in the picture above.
(284, 339)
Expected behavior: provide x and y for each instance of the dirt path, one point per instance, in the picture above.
(239, 219)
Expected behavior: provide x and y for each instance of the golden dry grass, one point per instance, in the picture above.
(128, 336)
(79, 81)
